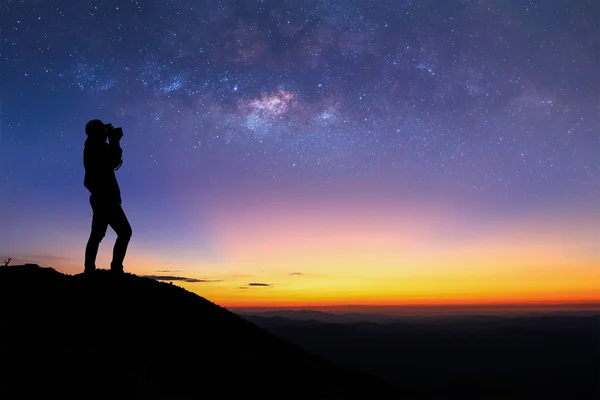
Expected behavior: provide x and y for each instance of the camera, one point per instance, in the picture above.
(113, 133)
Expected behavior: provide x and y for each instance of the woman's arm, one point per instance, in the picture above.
(115, 155)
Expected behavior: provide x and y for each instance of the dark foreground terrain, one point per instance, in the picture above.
(485, 357)
(128, 337)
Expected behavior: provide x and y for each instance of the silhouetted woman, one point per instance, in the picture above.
(101, 159)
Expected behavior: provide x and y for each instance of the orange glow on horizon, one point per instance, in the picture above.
(291, 252)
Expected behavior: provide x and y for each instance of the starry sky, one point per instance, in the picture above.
(313, 152)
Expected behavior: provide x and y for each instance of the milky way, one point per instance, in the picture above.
(489, 95)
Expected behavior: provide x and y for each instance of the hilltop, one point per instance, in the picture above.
(133, 337)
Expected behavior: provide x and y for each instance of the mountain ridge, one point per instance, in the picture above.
(81, 336)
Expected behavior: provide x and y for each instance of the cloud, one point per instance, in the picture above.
(254, 284)
(296, 273)
(167, 270)
(179, 278)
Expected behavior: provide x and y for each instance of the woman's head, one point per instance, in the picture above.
(95, 129)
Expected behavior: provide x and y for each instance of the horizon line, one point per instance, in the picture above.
(541, 306)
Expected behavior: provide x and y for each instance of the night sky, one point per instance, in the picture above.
(314, 152)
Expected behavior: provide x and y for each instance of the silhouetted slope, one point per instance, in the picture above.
(131, 337)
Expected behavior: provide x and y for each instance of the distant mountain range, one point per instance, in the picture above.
(484, 357)
(383, 317)
(320, 316)
(128, 337)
